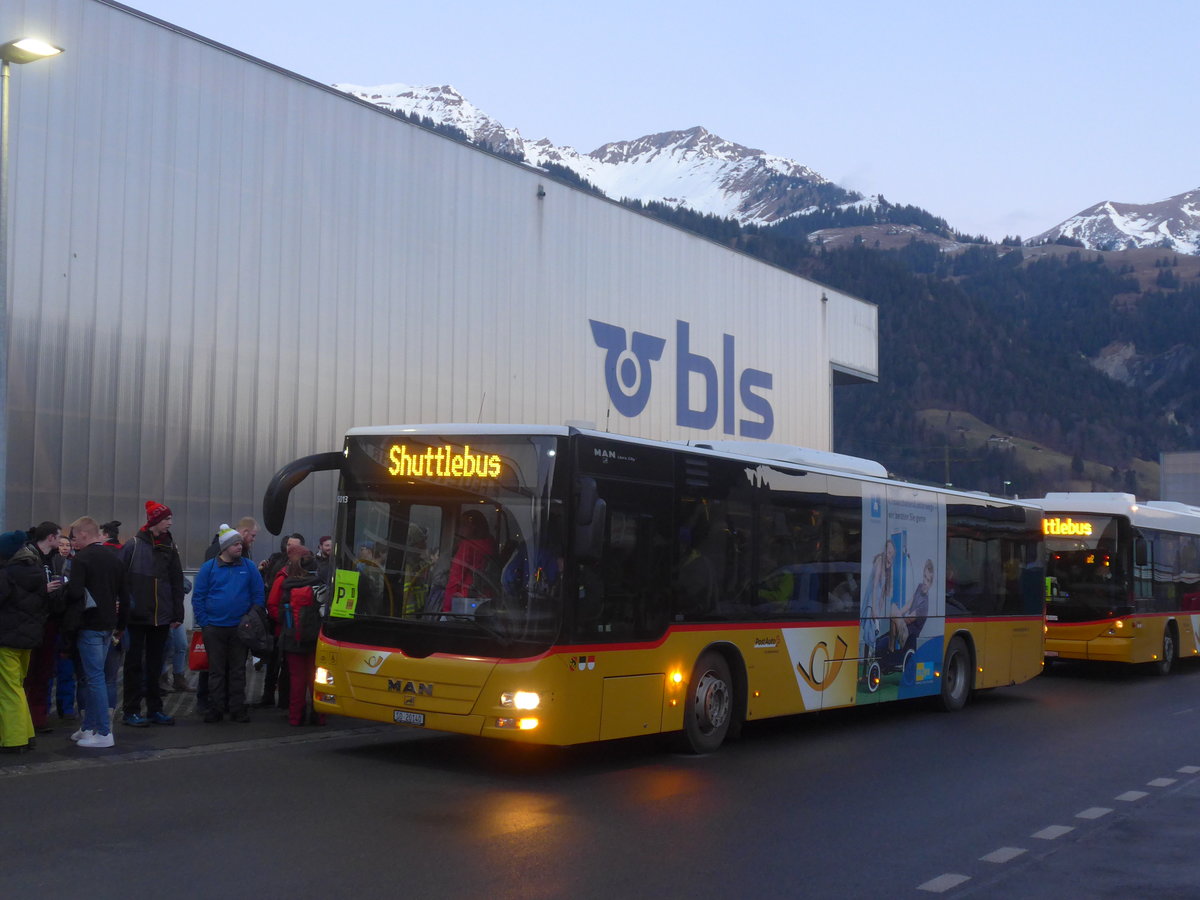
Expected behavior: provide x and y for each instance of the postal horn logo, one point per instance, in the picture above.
(627, 365)
(823, 663)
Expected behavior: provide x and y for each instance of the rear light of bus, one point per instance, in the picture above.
(520, 700)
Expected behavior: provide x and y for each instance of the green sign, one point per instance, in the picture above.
(345, 594)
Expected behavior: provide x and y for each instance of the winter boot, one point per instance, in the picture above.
(180, 684)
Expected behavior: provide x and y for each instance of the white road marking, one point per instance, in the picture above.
(1130, 796)
(1052, 832)
(943, 883)
(950, 880)
(1003, 855)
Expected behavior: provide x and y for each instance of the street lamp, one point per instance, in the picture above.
(20, 51)
(1007, 485)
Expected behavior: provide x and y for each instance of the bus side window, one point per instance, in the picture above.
(622, 593)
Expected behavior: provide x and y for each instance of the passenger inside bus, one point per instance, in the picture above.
(474, 554)
(695, 579)
(519, 575)
(418, 561)
(375, 593)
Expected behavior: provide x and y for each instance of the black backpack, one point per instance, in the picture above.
(255, 631)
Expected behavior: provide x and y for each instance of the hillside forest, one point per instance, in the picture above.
(989, 355)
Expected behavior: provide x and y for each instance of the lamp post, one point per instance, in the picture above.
(20, 51)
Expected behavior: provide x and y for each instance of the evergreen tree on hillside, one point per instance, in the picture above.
(984, 331)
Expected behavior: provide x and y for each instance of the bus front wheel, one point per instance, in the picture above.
(1163, 666)
(708, 709)
(956, 675)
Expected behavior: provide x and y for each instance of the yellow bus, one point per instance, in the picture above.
(559, 585)
(1122, 579)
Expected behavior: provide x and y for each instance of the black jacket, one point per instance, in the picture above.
(153, 579)
(24, 600)
(96, 569)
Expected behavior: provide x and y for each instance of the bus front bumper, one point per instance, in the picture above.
(397, 715)
(1100, 649)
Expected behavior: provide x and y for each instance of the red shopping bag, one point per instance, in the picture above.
(197, 655)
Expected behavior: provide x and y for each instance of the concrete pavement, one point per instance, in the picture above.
(188, 736)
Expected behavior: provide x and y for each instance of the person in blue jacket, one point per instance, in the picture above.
(225, 589)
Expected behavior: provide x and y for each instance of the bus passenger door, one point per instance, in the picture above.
(623, 581)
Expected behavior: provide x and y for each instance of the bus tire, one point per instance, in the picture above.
(1170, 651)
(708, 709)
(956, 675)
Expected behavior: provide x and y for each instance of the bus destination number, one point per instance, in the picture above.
(404, 717)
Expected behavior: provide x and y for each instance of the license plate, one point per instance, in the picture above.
(1052, 653)
(404, 717)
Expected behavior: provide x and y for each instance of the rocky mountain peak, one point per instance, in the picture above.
(1173, 223)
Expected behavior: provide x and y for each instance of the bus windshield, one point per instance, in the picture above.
(1086, 576)
(449, 544)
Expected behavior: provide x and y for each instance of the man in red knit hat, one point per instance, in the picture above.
(154, 594)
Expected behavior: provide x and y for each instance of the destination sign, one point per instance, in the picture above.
(1056, 526)
(442, 462)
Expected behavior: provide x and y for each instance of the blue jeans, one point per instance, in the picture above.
(177, 651)
(93, 653)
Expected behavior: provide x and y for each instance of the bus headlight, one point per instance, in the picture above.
(520, 700)
(323, 676)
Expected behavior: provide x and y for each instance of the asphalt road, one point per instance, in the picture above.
(1083, 783)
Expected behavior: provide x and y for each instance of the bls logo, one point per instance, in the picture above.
(627, 368)
(627, 374)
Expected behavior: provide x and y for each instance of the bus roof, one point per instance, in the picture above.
(761, 451)
(1162, 514)
(799, 456)
(458, 428)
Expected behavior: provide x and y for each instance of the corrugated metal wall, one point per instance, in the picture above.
(1180, 477)
(217, 267)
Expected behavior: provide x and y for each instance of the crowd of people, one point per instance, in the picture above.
(80, 611)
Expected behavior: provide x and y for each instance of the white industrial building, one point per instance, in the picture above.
(216, 266)
(1179, 476)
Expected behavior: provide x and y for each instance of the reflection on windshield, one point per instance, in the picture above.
(480, 557)
(1084, 578)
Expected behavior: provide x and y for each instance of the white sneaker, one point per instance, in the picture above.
(81, 733)
(97, 740)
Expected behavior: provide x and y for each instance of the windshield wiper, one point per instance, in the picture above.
(462, 617)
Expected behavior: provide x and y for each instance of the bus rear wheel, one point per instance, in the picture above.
(708, 709)
(1164, 665)
(956, 675)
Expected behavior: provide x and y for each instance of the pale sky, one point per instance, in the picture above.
(1001, 118)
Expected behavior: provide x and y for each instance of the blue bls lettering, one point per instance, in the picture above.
(688, 364)
(628, 370)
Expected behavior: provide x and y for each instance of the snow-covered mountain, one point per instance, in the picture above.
(692, 168)
(1173, 224)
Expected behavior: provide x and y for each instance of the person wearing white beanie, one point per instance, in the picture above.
(225, 589)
